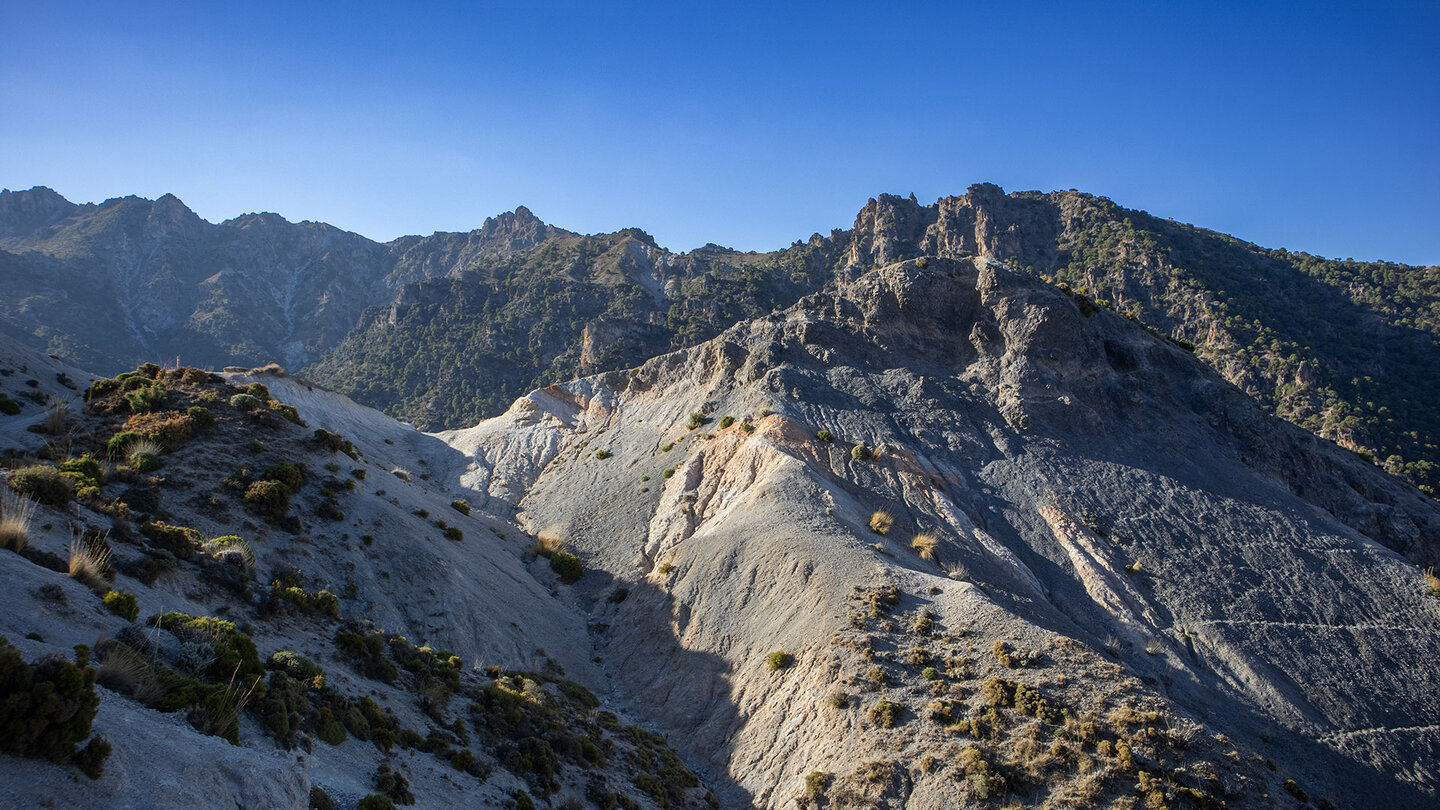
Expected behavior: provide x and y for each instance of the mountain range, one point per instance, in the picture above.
(981, 504)
(446, 329)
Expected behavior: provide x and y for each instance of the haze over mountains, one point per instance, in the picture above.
(445, 329)
(973, 504)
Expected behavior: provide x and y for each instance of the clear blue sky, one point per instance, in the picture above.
(1309, 125)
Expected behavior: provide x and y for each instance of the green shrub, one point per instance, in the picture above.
(119, 444)
(143, 462)
(697, 420)
(332, 731)
(235, 653)
(860, 452)
(567, 566)
(602, 454)
(824, 435)
(320, 800)
(294, 664)
(177, 540)
(85, 473)
(287, 473)
(287, 411)
(779, 660)
(376, 801)
(44, 484)
(747, 427)
(726, 421)
(930, 674)
(47, 708)
(145, 397)
(244, 402)
(259, 391)
(393, 784)
(461, 506)
(270, 498)
(8, 406)
(885, 713)
(201, 415)
(454, 533)
(335, 444)
(122, 604)
(817, 783)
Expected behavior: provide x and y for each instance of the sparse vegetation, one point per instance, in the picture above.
(881, 521)
(602, 454)
(726, 421)
(16, 512)
(697, 420)
(885, 713)
(460, 505)
(270, 498)
(825, 435)
(925, 544)
(779, 660)
(90, 563)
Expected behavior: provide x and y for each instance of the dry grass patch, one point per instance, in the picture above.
(1432, 582)
(90, 563)
(881, 521)
(925, 544)
(548, 544)
(16, 511)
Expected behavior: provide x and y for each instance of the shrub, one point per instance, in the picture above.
(925, 544)
(930, 674)
(726, 422)
(779, 660)
(454, 533)
(287, 473)
(122, 604)
(119, 444)
(667, 447)
(287, 411)
(885, 713)
(48, 708)
(839, 700)
(860, 453)
(16, 512)
(376, 801)
(259, 391)
(817, 783)
(669, 471)
(235, 653)
(8, 406)
(144, 397)
(567, 566)
(320, 800)
(244, 402)
(294, 664)
(697, 420)
(230, 547)
(824, 435)
(548, 544)
(143, 462)
(200, 415)
(44, 484)
(335, 443)
(270, 498)
(459, 505)
(177, 540)
(880, 522)
(168, 429)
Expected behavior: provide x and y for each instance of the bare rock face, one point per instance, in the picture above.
(1075, 506)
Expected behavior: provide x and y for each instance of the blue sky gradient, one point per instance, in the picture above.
(1310, 126)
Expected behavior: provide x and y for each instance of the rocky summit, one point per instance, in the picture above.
(916, 515)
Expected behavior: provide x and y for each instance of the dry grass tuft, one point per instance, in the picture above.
(881, 521)
(548, 544)
(15, 513)
(57, 418)
(1432, 582)
(925, 544)
(90, 562)
(126, 671)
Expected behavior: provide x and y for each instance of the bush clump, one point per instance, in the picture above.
(824, 435)
(8, 406)
(245, 402)
(335, 444)
(294, 664)
(881, 521)
(200, 415)
(567, 566)
(270, 498)
(143, 397)
(48, 708)
(460, 505)
(861, 453)
(726, 421)
(290, 474)
(697, 420)
(122, 604)
(454, 533)
(885, 713)
(235, 653)
(779, 660)
(43, 483)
